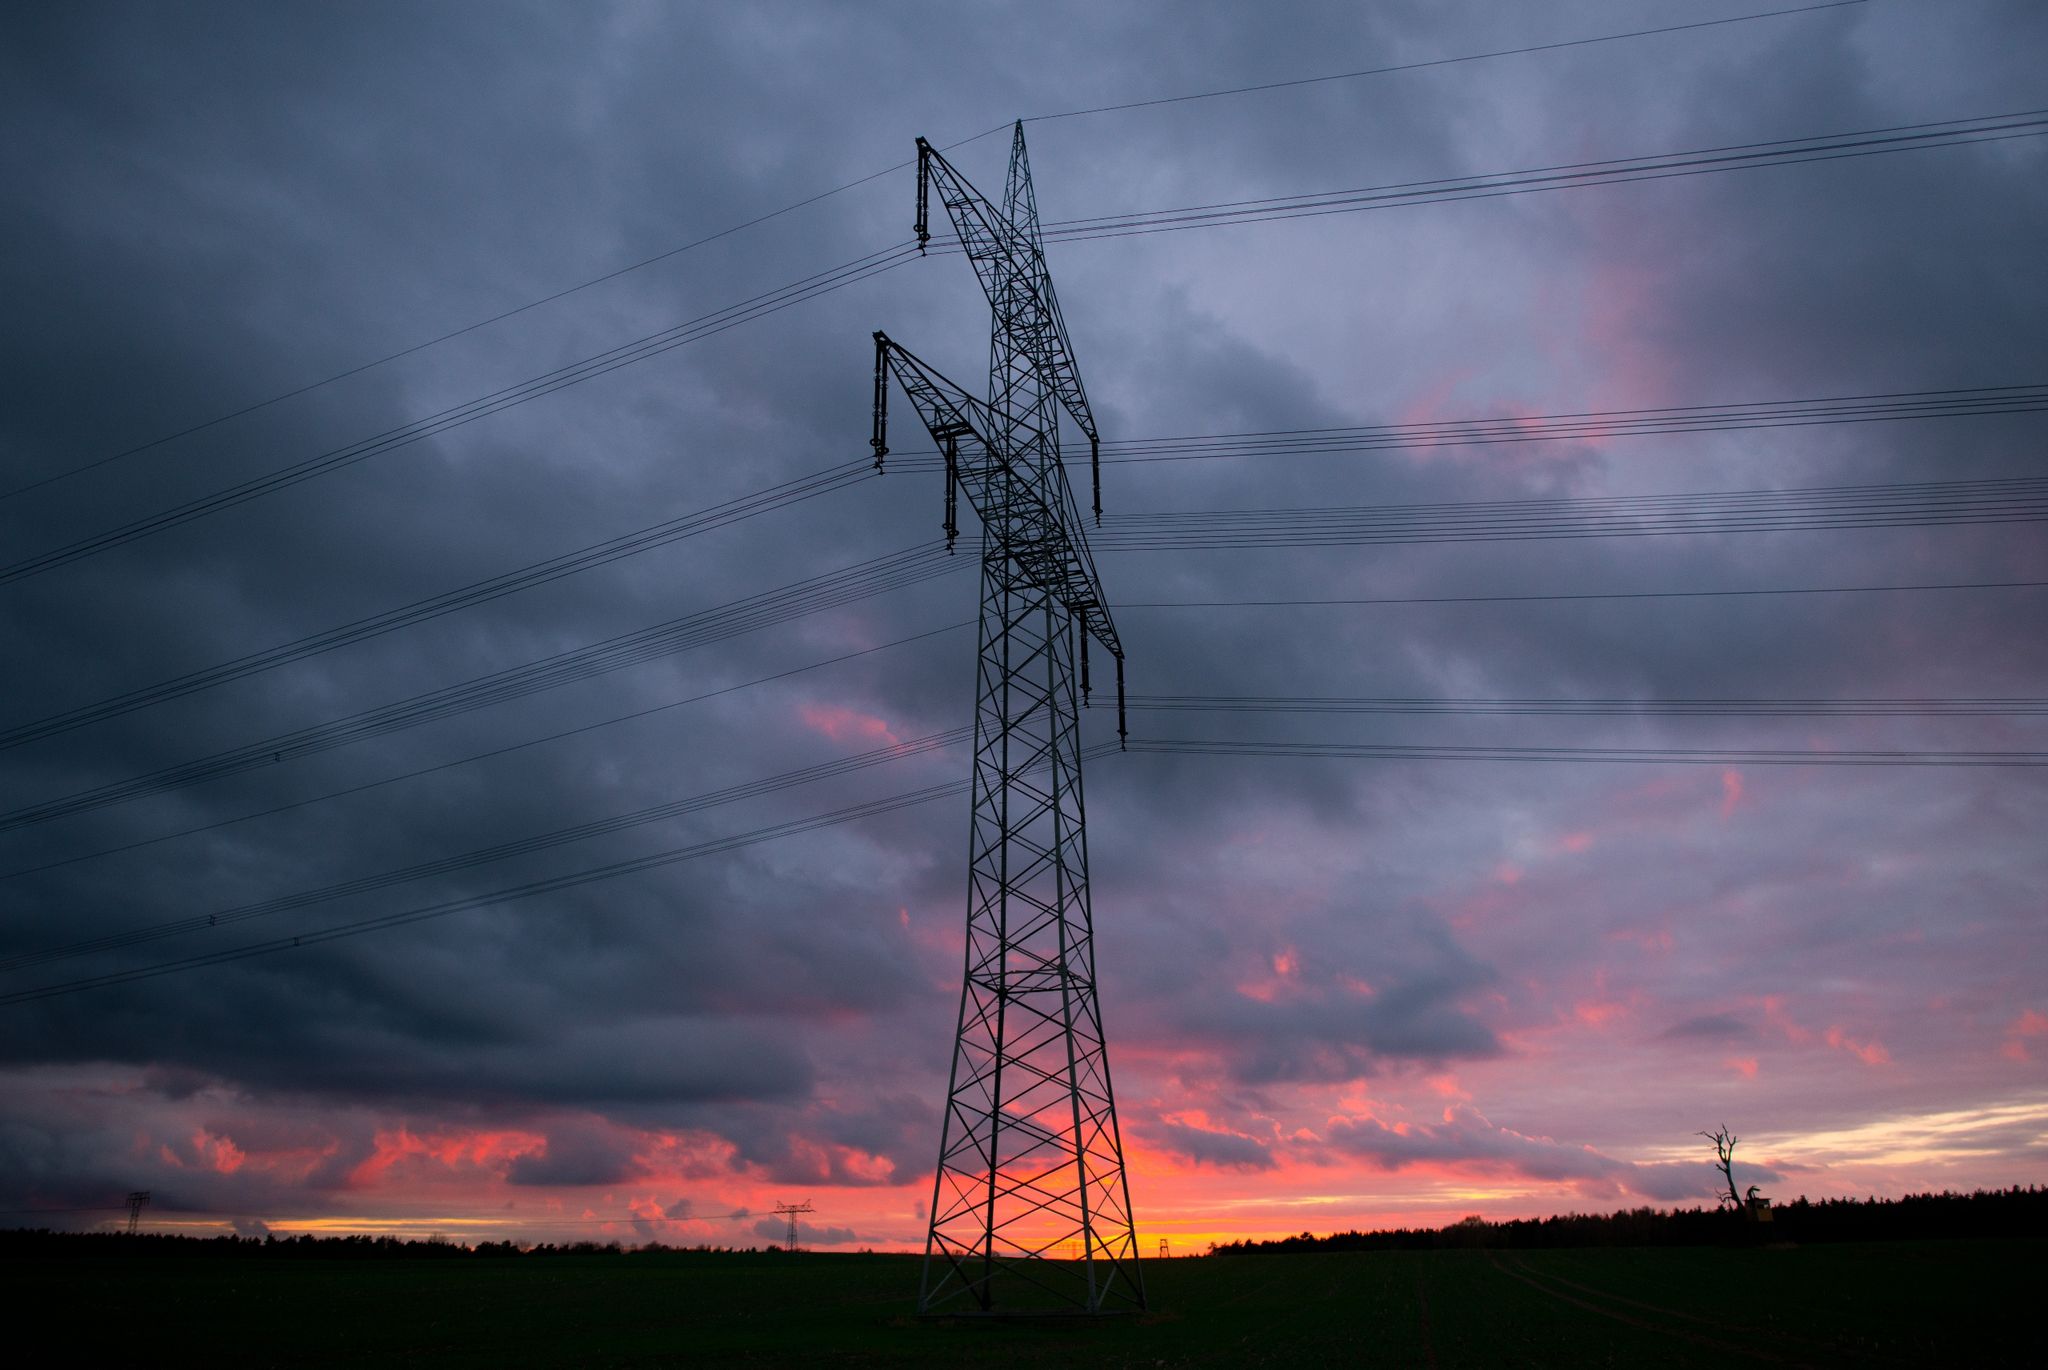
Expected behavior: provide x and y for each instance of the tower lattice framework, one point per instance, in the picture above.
(1030, 1206)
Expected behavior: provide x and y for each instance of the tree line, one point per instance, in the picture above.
(2021, 1211)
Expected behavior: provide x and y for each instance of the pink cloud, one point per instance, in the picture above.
(1598, 1012)
(1731, 791)
(840, 723)
(1871, 1053)
(1446, 1085)
(402, 1151)
(1428, 407)
(1778, 1017)
(2028, 1024)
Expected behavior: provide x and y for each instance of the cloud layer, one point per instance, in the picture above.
(1338, 992)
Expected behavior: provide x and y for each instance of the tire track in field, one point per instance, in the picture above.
(1805, 1345)
(1696, 1338)
(1422, 1308)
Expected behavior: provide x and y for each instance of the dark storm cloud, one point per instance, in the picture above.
(221, 204)
(1212, 1147)
(576, 1156)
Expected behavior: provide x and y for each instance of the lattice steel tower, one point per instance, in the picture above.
(1030, 1160)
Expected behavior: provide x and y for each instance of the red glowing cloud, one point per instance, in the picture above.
(2028, 1024)
(1871, 1053)
(842, 724)
(401, 1153)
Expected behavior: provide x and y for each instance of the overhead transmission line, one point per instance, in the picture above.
(500, 851)
(625, 354)
(1728, 756)
(492, 752)
(731, 511)
(1438, 62)
(1955, 403)
(526, 890)
(844, 186)
(927, 794)
(509, 894)
(1590, 425)
(1817, 508)
(1743, 592)
(1932, 503)
(955, 627)
(863, 580)
(1953, 707)
(1569, 176)
(1578, 175)
(952, 737)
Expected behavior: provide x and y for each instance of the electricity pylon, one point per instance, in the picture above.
(790, 1211)
(137, 1201)
(1030, 1158)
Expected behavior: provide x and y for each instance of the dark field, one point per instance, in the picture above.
(1893, 1303)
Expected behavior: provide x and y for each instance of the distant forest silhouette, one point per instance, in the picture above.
(44, 1243)
(2016, 1212)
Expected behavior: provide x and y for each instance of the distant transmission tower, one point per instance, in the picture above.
(1029, 1154)
(790, 1211)
(138, 1199)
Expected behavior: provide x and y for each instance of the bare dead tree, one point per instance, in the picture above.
(1724, 1160)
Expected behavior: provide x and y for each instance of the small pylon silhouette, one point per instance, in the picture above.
(790, 1211)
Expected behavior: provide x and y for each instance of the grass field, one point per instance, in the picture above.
(1969, 1303)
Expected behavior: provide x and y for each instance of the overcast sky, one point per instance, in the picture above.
(1339, 991)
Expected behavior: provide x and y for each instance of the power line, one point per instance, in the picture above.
(1449, 432)
(955, 627)
(1782, 151)
(1380, 751)
(1922, 504)
(1588, 425)
(1834, 507)
(1214, 747)
(512, 893)
(1438, 62)
(1840, 507)
(1568, 176)
(449, 336)
(1610, 594)
(841, 188)
(730, 794)
(625, 354)
(717, 516)
(1963, 707)
(493, 752)
(861, 581)
(506, 895)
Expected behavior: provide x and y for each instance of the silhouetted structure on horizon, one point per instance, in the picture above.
(1030, 1157)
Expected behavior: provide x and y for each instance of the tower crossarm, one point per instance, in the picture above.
(1042, 529)
(1009, 260)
